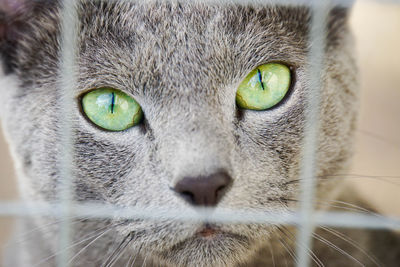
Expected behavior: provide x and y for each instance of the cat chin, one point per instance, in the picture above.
(216, 249)
(201, 245)
(213, 245)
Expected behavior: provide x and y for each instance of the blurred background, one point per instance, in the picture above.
(377, 149)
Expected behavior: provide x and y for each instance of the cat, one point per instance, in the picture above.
(194, 144)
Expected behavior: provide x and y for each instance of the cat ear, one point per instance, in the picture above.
(13, 16)
(337, 23)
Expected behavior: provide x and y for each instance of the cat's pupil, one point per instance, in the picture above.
(260, 78)
(112, 102)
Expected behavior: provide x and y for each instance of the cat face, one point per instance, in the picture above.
(182, 63)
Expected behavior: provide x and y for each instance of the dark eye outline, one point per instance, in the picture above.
(83, 113)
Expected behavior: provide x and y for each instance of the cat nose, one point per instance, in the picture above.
(203, 190)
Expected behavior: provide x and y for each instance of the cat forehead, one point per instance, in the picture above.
(151, 16)
(165, 44)
(188, 44)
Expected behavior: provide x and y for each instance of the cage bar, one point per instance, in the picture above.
(360, 219)
(319, 15)
(69, 35)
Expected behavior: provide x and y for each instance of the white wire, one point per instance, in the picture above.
(191, 214)
(316, 39)
(69, 37)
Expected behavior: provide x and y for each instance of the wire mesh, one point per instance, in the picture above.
(306, 219)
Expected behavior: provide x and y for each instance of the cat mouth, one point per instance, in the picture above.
(209, 242)
(209, 231)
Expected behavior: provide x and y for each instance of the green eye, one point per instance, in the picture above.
(264, 87)
(111, 109)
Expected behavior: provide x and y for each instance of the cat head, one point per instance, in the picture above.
(182, 62)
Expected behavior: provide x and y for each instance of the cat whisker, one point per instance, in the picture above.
(363, 175)
(285, 259)
(352, 207)
(89, 236)
(128, 263)
(387, 179)
(286, 246)
(330, 244)
(292, 238)
(341, 207)
(382, 178)
(348, 240)
(294, 181)
(133, 257)
(281, 254)
(23, 236)
(379, 137)
(344, 206)
(291, 253)
(118, 251)
(313, 256)
(90, 243)
(144, 260)
(272, 254)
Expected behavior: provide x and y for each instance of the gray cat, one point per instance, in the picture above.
(177, 106)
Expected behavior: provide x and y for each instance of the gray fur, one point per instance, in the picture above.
(182, 61)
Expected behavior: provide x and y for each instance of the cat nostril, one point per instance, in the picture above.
(189, 197)
(203, 190)
(220, 188)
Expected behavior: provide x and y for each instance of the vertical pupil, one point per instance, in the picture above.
(260, 78)
(112, 102)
